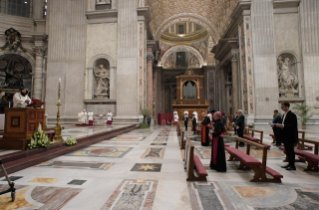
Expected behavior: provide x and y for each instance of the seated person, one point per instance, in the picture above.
(21, 99)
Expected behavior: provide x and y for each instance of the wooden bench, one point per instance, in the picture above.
(182, 142)
(178, 130)
(252, 138)
(301, 144)
(247, 162)
(312, 159)
(195, 169)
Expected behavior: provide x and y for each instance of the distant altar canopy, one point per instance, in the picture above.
(190, 94)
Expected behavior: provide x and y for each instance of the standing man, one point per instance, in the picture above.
(276, 130)
(186, 120)
(21, 99)
(234, 120)
(240, 126)
(205, 129)
(289, 134)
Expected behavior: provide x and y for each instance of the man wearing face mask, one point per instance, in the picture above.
(21, 99)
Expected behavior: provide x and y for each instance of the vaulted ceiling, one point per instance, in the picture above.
(212, 14)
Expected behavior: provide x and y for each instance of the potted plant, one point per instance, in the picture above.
(146, 113)
(305, 113)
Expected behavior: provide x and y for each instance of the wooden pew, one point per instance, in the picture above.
(301, 144)
(182, 143)
(252, 138)
(247, 162)
(194, 167)
(312, 159)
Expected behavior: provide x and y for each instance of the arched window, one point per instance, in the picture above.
(189, 90)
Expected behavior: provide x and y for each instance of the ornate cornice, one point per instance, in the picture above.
(102, 16)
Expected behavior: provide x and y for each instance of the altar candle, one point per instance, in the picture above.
(59, 93)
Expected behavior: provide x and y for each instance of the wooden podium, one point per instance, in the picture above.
(20, 125)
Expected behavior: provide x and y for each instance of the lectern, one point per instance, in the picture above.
(20, 124)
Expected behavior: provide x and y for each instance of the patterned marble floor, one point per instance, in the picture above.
(143, 170)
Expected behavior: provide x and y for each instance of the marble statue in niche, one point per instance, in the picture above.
(102, 78)
(103, 1)
(287, 76)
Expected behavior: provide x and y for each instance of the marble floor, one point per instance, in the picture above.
(143, 170)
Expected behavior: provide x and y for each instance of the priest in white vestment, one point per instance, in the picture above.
(109, 118)
(82, 117)
(21, 99)
(90, 116)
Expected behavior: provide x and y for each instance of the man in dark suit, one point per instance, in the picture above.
(289, 134)
(234, 120)
(276, 130)
(240, 126)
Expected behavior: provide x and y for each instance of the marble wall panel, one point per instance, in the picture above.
(287, 40)
(264, 58)
(66, 27)
(127, 71)
(309, 10)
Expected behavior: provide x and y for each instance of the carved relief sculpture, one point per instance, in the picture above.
(102, 77)
(288, 80)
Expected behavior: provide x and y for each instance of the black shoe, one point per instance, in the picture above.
(241, 145)
(290, 168)
(278, 145)
(286, 166)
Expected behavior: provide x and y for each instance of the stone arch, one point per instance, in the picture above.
(189, 18)
(289, 52)
(101, 56)
(185, 48)
(26, 55)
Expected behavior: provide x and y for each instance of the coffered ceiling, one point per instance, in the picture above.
(214, 15)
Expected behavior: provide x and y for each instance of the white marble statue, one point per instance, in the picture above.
(103, 2)
(288, 81)
(102, 77)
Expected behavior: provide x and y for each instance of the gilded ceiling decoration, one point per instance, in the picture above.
(185, 38)
(214, 15)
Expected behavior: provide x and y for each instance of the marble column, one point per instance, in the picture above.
(150, 59)
(38, 76)
(234, 65)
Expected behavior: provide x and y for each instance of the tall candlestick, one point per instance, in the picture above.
(59, 93)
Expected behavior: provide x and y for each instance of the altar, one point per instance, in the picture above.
(190, 95)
